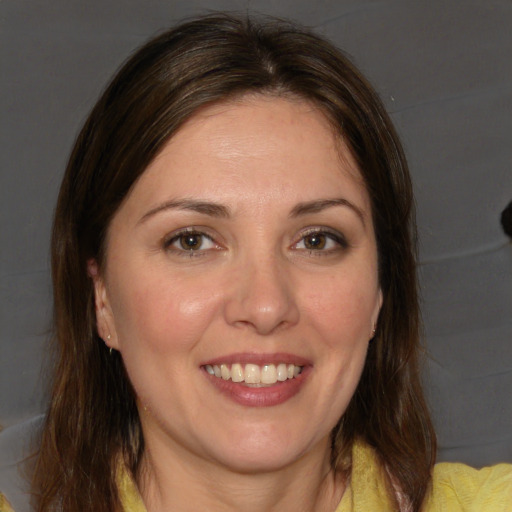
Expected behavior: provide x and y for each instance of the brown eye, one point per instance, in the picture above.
(191, 241)
(315, 241)
(321, 242)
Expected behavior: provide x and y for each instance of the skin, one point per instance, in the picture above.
(257, 284)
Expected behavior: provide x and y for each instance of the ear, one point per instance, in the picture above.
(105, 323)
(380, 300)
(376, 313)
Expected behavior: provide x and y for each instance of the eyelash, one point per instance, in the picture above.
(332, 236)
(190, 252)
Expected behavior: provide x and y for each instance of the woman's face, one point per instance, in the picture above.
(240, 285)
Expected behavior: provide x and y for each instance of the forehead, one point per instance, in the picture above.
(260, 116)
(255, 148)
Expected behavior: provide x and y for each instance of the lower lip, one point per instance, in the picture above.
(267, 396)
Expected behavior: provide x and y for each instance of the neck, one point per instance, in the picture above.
(183, 482)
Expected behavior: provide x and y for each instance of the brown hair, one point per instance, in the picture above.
(92, 418)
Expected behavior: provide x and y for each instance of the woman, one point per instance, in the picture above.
(236, 314)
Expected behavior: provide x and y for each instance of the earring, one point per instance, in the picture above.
(110, 348)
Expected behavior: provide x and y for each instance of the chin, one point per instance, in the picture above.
(257, 462)
(265, 452)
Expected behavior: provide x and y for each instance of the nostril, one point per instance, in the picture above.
(506, 220)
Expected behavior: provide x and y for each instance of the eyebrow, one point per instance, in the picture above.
(218, 210)
(322, 204)
(204, 207)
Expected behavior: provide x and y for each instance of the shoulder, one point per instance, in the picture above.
(455, 487)
(4, 504)
(462, 488)
(15, 445)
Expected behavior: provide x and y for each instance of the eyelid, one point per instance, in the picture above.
(332, 234)
(171, 238)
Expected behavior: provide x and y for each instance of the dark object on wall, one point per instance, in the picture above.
(506, 219)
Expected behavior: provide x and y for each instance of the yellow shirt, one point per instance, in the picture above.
(4, 506)
(455, 488)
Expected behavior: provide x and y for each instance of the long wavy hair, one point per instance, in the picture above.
(92, 419)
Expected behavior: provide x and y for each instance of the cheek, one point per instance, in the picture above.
(160, 316)
(341, 319)
(343, 309)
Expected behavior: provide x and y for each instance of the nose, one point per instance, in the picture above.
(262, 297)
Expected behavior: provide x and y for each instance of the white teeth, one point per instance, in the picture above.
(252, 374)
(224, 372)
(282, 372)
(237, 373)
(267, 374)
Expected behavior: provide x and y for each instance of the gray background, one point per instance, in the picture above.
(443, 69)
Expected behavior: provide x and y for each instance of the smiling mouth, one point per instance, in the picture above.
(254, 375)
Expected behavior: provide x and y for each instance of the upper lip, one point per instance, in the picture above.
(259, 359)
